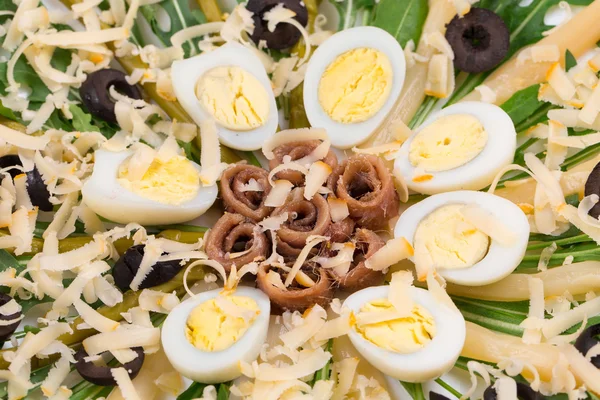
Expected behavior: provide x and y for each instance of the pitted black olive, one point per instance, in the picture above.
(11, 160)
(101, 375)
(524, 392)
(129, 263)
(480, 40)
(95, 94)
(592, 186)
(587, 340)
(285, 35)
(37, 189)
(437, 396)
(7, 330)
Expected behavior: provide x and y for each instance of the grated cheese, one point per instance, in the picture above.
(312, 323)
(437, 40)
(124, 382)
(560, 82)
(440, 77)
(316, 177)
(93, 318)
(345, 371)
(589, 112)
(535, 317)
(561, 322)
(395, 250)
(36, 343)
(311, 242)
(310, 361)
(489, 224)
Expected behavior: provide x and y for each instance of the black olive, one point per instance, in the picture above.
(7, 330)
(524, 392)
(480, 40)
(95, 94)
(38, 191)
(437, 396)
(285, 35)
(101, 375)
(126, 268)
(11, 160)
(592, 186)
(587, 340)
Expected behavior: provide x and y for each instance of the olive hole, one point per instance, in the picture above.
(477, 37)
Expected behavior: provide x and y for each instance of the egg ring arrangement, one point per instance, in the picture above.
(244, 203)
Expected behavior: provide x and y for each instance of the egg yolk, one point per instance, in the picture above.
(402, 335)
(234, 97)
(450, 240)
(448, 143)
(355, 85)
(210, 328)
(173, 182)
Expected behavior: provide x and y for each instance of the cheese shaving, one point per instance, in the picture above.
(313, 322)
(316, 177)
(440, 77)
(394, 251)
(93, 318)
(279, 193)
(124, 382)
(560, 82)
(545, 256)
(562, 322)
(581, 367)
(338, 209)
(437, 40)
(310, 361)
(489, 224)
(399, 293)
(36, 343)
(311, 242)
(121, 339)
(292, 135)
(532, 333)
(589, 112)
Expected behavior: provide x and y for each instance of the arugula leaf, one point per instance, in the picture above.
(26, 76)
(414, 389)
(8, 261)
(180, 16)
(194, 391)
(7, 112)
(82, 122)
(348, 9)
(570, 60)
(223, 391)
(504, 317)
(522, 104)
(402, 19)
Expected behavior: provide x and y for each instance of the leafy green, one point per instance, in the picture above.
(194, 391)
(570, 60)
(223, 391)
(414, 389)
(449, 388)
(180, 15)
(7, 112)
(8, 261)
(82, 122)
(502, 317)
(522, 104)
(324, 373)
(402, 19)
(26, 76)
(348, 9)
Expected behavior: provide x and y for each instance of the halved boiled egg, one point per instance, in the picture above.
(352, 82)
(470, 238)
(412, 348)
(230, 86)
(167, 193)
(461, 147)
(206, 336)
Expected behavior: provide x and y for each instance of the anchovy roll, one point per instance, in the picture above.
(297, 151)
(359, 276)
(305, 218)
(235, 239)
(367, 186)
(341, 231)
(297, 296)
(244, 189)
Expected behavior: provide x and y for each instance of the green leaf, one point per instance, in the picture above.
(522, 104)
(7, 112)
(8, 261)
(348, 9)
(82, 121)
(194, 391)
(402, 19)
(570, 60)
(26, 76)
(223, 391)
(325, 373)
(180, 15)
(414, 389)
(503, 317)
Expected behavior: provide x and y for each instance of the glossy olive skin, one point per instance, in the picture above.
(101, 375)
(96, 97)
(126, 268)
(7, 330)
(587, 340)
(480, 40)
(285, 35)
(524, 392)
(36, 188)
(592, 186)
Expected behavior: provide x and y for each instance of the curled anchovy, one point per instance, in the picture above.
(250, 204)
(234, 233)
(296, 151)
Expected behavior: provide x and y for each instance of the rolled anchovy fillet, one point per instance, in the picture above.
(250, 204)
(305, 218)
(296, 297)
(367, 186)
(296, 151)
(341, 231)
(234, 235)
(359, 276)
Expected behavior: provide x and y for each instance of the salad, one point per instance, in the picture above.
(285, 199)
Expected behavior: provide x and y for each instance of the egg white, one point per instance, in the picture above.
(107, 198)
(347, 135)
(478, 173)
(434, 359)
(218, 366)
(500, 260)
(185, 75)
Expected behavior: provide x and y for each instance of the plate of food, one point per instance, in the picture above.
(285, 199)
